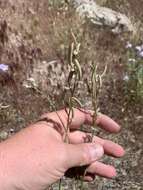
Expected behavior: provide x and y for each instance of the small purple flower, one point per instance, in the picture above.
(141, 54)
(4, 67)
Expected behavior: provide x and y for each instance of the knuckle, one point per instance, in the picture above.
(86, 155)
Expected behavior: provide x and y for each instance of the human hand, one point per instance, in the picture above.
(38, 156)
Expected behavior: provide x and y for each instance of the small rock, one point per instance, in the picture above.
(103, 17)
(3, 135)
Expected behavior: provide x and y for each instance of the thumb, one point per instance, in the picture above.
(82, 154)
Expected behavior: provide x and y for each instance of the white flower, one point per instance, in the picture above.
(126, 78)
(4, 67)
(129, 45)
(132, 60)
(138, 48)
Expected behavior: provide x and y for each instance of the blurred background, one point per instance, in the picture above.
(34, 43)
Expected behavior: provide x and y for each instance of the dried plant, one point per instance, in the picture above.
(95, 88)
(75, 75)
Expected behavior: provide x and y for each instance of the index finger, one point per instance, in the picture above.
(81, 117)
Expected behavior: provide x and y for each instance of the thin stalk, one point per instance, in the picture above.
(60, 185)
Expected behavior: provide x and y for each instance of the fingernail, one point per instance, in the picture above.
(96, 152)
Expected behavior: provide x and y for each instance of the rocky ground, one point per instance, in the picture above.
(34, 42)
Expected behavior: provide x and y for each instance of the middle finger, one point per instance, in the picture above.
(110, 147)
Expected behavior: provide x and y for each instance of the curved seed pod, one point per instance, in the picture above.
(88, 84)
(77, 101)
(70, 77)
(94, 79)
(100, 81)
(78, 67)
(71, 54)
(105, 70)
(77, 50)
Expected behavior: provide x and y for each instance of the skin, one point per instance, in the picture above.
(37, 156)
